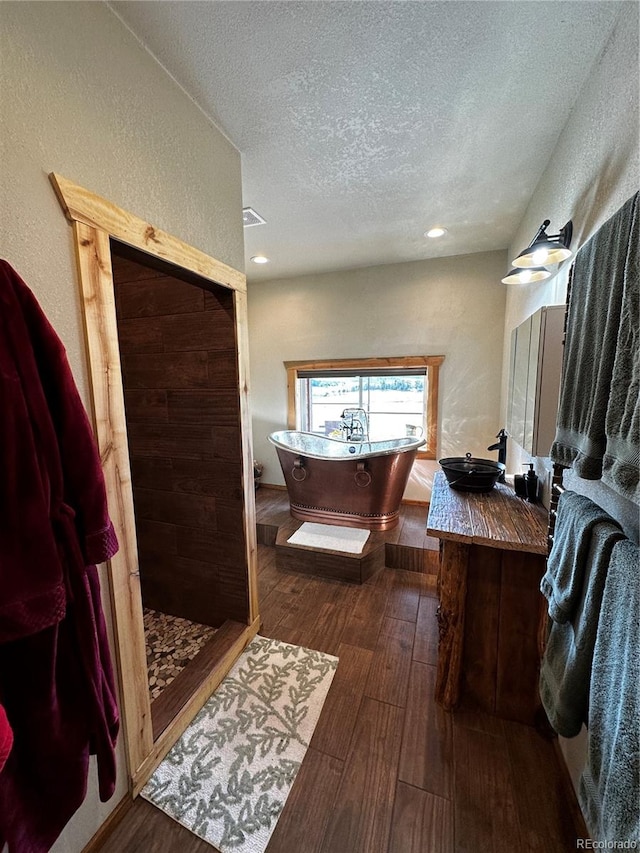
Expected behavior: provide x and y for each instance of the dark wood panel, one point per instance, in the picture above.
(176, 508)
(155, 539)
(226, 442)
(338, 719)
(484, 808)
(157, 296)
(219, 299)
(517, 695)
(186, 588)
(223, 369)
(210, 406)
(422, 822)
(312, 795)
(202, 331)
(209, 545)
(427, 747)
(143, 334)
(152, 472)
(146, 405)
(178, 441)
(222, 478)
(404, 596)
(425, 646)
(229, 514)
(365, 619)
(361, 818)
(166, 370)
(326, 634)
(541, 805)
(389, 674)
(481, 627)
(232, 590)
(128, 270)
(147, 828)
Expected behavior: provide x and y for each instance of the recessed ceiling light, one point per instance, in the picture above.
(260, 259)
(435, 232)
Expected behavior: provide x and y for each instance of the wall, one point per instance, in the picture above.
(180, 379)
(81, 97)
(593, 171)
(447, 306)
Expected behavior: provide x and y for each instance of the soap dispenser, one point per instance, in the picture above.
(532, 485)
(526, 485)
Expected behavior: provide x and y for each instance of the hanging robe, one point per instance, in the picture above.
(57, 684)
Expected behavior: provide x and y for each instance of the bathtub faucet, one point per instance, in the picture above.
(501, 447)
(354, 425)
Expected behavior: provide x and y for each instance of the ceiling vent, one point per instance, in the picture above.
(250, 217)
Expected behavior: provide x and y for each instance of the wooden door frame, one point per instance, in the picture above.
(95, 220)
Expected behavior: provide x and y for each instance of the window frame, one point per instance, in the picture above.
(431, 363)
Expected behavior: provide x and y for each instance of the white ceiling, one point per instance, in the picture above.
(362, 123)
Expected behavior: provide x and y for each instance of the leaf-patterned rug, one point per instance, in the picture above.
(228, 777)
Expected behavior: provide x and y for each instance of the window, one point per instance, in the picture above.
(398, 395)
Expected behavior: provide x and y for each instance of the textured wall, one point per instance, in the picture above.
(593, 171)
(448, 306)
(80, 96)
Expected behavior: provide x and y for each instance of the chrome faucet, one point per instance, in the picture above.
(354, 425)
(501, 447)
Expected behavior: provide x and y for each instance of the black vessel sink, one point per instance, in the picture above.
(468, 474)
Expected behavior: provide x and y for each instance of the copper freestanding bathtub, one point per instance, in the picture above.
(353, 484)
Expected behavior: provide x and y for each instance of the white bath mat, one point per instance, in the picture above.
(330, 537)
(228, 777)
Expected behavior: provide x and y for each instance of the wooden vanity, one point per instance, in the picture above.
(493, 547)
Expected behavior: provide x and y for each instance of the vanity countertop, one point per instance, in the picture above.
(497, 519)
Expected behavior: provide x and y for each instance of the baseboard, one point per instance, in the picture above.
(105, 830)
(277, 486)
(577, 817)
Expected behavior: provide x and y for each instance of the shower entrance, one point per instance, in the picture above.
(166, 338)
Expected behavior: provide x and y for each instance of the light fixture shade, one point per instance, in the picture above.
(526, 276)
(546, 249)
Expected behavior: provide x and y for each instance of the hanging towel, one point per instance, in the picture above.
(609, 791)
(599, 279)
(621, 465)
(563, 580)
(565, 672)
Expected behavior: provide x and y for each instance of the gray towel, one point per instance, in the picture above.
(598, 284)
(565, 673)
(563, 580)
(621, 464)
(609, 790)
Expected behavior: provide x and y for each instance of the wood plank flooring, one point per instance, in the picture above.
(388, 771)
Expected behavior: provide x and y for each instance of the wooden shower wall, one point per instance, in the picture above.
(180, 376)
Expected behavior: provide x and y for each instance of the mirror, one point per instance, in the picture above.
(534, 380)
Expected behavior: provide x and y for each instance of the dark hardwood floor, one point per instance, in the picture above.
(388, 771)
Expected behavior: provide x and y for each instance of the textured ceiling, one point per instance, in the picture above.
(361, 124)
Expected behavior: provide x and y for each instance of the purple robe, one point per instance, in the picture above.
(56, 679)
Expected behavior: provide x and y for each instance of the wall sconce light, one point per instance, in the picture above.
(546, 249)
(543, 251)
(528, 276)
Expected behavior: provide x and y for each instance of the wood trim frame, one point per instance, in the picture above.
(431, 362)
(95, 220)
